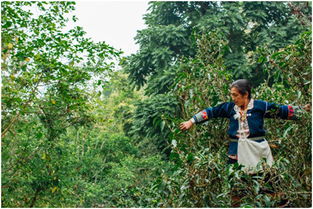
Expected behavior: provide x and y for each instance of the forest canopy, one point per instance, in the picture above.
(77, 131)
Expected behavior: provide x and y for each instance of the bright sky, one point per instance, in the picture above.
(115, 22)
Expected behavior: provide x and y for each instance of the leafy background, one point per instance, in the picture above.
(76, 132)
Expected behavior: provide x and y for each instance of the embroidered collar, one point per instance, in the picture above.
(237, 109)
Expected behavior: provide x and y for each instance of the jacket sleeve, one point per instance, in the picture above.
(287, 112)
(212, 112)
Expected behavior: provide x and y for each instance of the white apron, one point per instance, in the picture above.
(250, 153)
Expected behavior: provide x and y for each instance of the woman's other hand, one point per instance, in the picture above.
(185, 125)
(307, 107)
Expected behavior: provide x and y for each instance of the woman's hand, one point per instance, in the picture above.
(307, 107)
(185, 125)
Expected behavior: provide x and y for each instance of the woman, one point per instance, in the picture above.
(247, 135)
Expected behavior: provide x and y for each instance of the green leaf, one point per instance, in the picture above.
(39, 135)
(174, 143)
(162, 125)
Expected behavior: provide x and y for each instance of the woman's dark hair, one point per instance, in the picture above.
(243, 86)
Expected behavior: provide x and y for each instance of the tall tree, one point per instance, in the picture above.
(39, 60)
(47, 74)
(246, 25)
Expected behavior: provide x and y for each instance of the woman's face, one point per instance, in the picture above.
(238, 98)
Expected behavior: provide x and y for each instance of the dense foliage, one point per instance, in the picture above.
(76, 134)
(173, 28)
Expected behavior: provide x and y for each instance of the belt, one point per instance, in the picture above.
(252, 138)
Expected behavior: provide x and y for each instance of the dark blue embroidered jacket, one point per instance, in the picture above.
(255, 117)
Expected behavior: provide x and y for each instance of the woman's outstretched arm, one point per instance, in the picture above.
(221, 110)
(288, 112)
